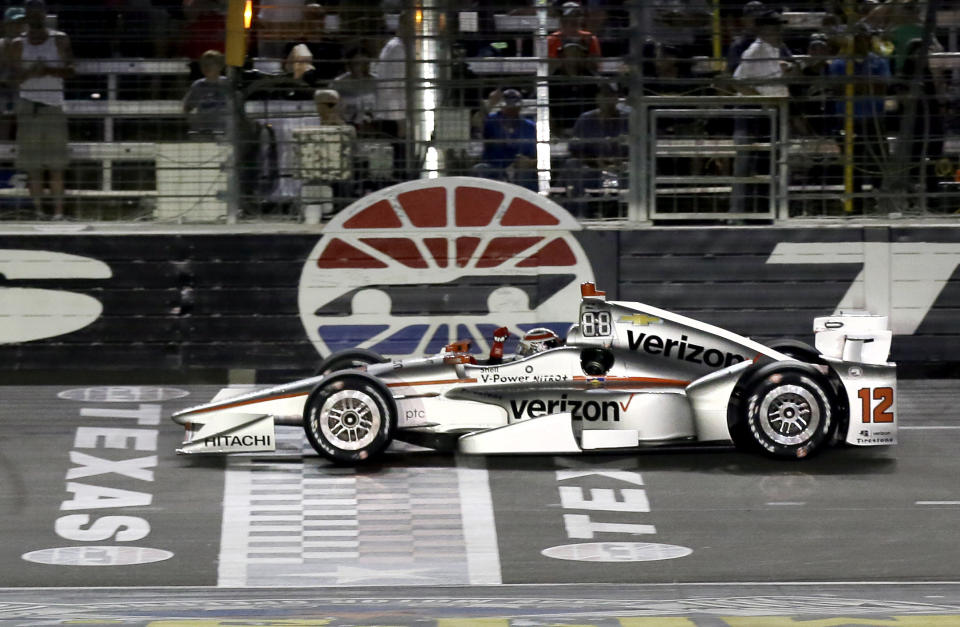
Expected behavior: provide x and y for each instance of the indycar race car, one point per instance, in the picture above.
(627, 376)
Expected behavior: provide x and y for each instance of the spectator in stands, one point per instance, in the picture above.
(327, 102)
(509, 143)
(208, 104)
(571, 31)
(41, 59)
(600, 143)
(299, 64)
(810, 108)
(297, 82)
(761, 72)
(339, 162)
(391, 72)
(663, 72)
(326, 53)
(14, 22)
(358, 90)
(572, 86)
(748, 33)
(903, 23)
(871, 74)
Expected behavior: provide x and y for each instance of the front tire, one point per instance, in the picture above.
(349, 359)
(787, 413)
(350, 418)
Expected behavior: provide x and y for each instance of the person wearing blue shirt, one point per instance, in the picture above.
(871, 79)
(599, 146)
(509, 144)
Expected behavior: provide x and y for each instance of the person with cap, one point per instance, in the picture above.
(41, 59)
(571, 31)
(509, 143)
(571, 86)
(748, 33)
(14, 22)
(327, 102)
(339, 162)
(811, 95)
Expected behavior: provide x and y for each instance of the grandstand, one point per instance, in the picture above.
(631, 112)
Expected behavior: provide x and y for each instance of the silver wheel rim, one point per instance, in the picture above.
(350, 420)
(789, 415)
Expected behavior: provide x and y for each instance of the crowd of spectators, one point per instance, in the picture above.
(352, 57)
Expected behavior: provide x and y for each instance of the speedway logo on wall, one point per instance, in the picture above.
(411, 268)
(34, 313)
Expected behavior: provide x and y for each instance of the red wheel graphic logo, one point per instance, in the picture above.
(418, 265)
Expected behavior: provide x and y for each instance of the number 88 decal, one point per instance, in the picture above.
(593, 324)
(881, 411)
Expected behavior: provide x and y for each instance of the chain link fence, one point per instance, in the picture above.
(647, 110)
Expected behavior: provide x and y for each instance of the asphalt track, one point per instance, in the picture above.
(117, 528)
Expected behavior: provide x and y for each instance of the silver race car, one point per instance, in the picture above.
(627, 376)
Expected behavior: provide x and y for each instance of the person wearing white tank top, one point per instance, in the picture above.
(40, 60)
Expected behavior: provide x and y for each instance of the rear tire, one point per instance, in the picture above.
(786, 412)
(350, 418)
(800, 351)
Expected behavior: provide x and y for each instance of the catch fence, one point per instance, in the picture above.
(629, 112)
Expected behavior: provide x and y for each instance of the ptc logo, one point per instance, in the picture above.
(418, 265)
(32, 313)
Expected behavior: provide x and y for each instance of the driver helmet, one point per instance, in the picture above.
(538, 340)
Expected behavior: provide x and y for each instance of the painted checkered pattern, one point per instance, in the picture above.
(290, 519)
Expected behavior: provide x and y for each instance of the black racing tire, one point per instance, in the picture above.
(350, 418)
(786, 411)
(800, 351)
(349, 359)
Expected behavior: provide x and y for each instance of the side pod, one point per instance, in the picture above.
(546, 434)
(710, 397)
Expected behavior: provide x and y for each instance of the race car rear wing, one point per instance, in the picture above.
(853, 336)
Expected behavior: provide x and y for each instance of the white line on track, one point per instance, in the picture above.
(933, 428)
(479, 530)
(235, 528)
(937, 503)
(787, 503)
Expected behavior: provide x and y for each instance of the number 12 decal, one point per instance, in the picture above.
(881, 411)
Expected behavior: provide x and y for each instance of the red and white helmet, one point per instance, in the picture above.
(538, 340)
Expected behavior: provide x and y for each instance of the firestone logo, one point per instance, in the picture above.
(418, 265)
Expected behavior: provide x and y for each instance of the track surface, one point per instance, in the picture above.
(88, 475)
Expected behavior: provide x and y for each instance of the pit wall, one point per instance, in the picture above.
(280, 301)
